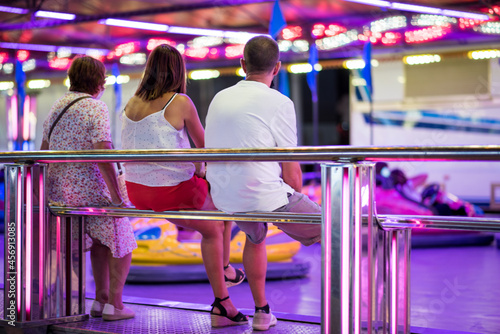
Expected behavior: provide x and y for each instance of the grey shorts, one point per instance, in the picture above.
(307, 234)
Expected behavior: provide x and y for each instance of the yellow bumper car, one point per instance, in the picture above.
(163, 256)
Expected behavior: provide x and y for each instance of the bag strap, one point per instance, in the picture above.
(62, 113)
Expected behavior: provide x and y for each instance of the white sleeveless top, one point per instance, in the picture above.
(155, 132)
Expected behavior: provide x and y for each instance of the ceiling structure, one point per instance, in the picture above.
(354, 23)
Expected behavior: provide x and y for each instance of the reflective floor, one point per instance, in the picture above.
(454, 289)
(161, 320)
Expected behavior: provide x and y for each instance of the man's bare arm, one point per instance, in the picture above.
(292, 175)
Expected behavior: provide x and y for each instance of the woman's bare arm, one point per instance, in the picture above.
(109, 175)
(193, 124)
(45, 146)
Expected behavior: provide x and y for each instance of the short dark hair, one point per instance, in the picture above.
(86, 75)
(165, 72)
(261, 54)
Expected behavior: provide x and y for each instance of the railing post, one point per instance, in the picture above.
(29, 296)
(340, 249)
(365, 269)
(394, 259)
(18, 243)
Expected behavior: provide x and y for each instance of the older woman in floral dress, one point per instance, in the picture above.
(85, 126)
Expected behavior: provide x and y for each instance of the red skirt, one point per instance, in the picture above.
(190, 194)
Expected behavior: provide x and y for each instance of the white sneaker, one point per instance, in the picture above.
(262, 320)
(96, 309)
(111, 313)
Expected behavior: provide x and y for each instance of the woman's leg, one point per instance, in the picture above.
(226, 252)
(227, 242)
(212, 254)
(109, 273)
(100, 270)
(118, 271)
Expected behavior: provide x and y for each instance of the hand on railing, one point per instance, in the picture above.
(53, 203)
(200, 169)
(122, 204)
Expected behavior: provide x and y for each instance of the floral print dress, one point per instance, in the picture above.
(81, 184)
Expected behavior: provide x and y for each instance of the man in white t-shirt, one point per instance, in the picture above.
(250, 114)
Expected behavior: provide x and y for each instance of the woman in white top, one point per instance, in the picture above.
(160, 116)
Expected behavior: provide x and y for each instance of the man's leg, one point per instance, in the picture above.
(255, 263)
(307, 234)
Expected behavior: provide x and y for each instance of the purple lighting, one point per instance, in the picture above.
(423, 9)
(134, 24)
(416, 8)
(41, 252)
(244, 36)
(55, 15)
(195, 31)
(18, 245)
(13, 10)
(379, 3)
(345, 262)
(327, 261)
(394, 285)
(52, 48)
(178, 30)
(29, 237)
(357, 252)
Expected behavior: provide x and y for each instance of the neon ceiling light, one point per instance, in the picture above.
(134, 24)
(195, 31)
(245, 36)
(423, 9)
(13, 10)
(176, 29)
(52, 48)
(39, 13)
(55, 15)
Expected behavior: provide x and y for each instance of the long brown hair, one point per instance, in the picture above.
(165, 72)
(86, 75)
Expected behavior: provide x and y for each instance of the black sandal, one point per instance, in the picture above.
(222, 320)
(240, 277)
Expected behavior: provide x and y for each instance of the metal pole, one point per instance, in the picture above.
(14, 239)
(337, 314)
(359, 279)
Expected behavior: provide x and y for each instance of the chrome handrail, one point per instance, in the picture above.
(385, 221)
(439, 222)
(313, 154)
(347, 200)
(272, 217)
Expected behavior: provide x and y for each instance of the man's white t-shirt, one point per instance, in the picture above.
(249, 115)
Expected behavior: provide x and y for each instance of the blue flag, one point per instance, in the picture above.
(277, 20)
(311, 76)
(366, 72)
(21, 95)
(283, 85)
(117, 88)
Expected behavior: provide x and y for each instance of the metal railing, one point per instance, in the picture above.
(385, 221)
(373, 297)
(305, 154)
